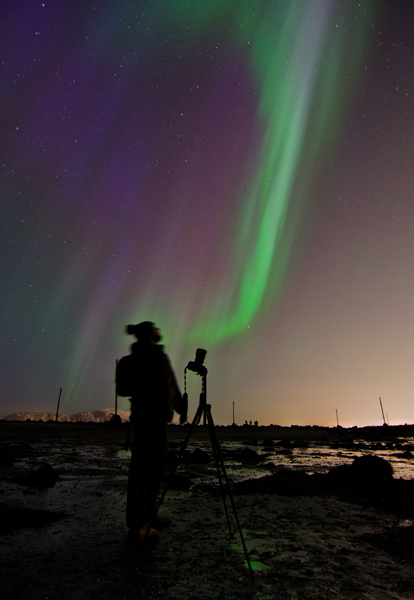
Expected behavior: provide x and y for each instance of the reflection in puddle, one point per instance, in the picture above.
(313, 459)
(255, 563)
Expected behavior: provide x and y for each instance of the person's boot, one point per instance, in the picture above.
(153, 534)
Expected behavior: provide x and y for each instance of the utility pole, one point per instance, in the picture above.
(57, 410)
(382, 410)
(337, 420)
(234, 422)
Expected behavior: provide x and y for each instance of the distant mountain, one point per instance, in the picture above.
(95, 416)
(34, 416)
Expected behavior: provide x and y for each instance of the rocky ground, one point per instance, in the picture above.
(344, 535)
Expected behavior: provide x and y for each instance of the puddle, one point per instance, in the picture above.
(256, 565)
(313, 459)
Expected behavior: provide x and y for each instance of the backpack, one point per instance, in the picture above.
(125, 376)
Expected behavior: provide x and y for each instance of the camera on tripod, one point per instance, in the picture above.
(204, 410)
(197, 364)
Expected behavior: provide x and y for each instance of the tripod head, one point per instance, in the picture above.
(197, 365)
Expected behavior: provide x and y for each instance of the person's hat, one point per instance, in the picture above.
(141, 330)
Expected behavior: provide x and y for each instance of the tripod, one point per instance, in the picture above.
(204, 410)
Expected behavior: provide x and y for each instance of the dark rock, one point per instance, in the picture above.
(200, 456)
(268, 443)
(285, 444)
(372, 467)
(248, 454)
(44, 476)
(366, 467)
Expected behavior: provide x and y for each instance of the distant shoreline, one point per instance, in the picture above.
(23, 430)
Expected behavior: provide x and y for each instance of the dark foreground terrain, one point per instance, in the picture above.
(347, 534)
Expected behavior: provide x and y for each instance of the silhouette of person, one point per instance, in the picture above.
(155, 397)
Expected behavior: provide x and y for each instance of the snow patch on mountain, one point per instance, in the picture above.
(91, 416)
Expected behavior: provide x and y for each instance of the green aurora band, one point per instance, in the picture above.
(306, 57)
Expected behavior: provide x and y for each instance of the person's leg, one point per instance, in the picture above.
(157, 468)
(137, 513)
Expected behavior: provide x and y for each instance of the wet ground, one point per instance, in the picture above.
(63, 532)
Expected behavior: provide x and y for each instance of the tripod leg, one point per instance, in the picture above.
(217, 452)
(219, 463)
(184, 445)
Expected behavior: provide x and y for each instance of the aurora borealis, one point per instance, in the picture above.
(238, 172)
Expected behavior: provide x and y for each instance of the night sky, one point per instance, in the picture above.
(240, 172)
